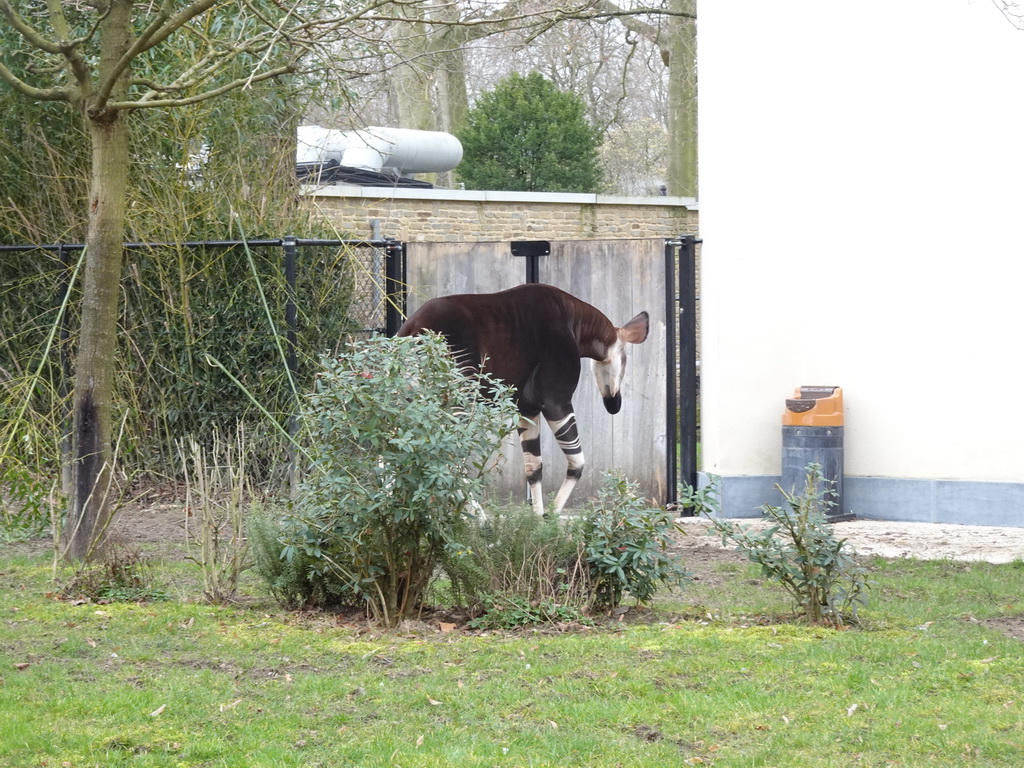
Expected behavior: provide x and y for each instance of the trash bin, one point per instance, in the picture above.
(812, 433)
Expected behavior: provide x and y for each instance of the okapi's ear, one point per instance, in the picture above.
(635, 331)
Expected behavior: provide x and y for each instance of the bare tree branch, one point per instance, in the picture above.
(32, 92)
(633, 22)
(505, 19)
(71, 48)
(35, 38)
(159, 29)
(234, 85)
(1012, 10)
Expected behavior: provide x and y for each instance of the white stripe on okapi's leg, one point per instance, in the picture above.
(568, 438)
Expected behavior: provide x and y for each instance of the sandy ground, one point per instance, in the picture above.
(162, 520)
(158, 519)
(925, 541)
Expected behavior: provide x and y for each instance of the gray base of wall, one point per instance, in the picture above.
(958, 502)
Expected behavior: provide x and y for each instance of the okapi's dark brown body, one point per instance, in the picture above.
(532, 337)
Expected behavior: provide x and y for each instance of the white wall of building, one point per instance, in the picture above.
(862, 210)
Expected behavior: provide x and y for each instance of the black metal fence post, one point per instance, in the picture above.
(532, 251)
(395, 286)
(291, 312)
(671, 386)
(291, 308)
(64, 387)
(688, 359)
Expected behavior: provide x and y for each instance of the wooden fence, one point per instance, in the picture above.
(619, 277)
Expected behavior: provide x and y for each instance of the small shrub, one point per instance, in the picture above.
(520, 569)
(627, 546)
(512, 612)
(218, 492)
(524, 570)
(26, 504)
(697, 502)
(120, 575)
(295, 581)
(398, 436)
(800, 551)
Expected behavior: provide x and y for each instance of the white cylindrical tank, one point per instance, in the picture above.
(405, 150)
(319, 145)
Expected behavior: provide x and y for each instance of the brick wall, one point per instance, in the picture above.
(439, 215)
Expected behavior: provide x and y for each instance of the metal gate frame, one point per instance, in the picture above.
(682, 353)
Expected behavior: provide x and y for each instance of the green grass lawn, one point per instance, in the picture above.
(715, 675)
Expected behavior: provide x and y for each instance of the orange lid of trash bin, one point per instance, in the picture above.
(814, 407)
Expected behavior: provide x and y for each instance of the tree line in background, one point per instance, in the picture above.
(633, 67)
(172, 121)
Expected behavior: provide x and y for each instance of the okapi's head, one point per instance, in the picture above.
(609, 371)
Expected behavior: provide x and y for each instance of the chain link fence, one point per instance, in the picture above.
(212, 334)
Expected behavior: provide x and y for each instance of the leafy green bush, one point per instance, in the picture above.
(800, 551)
(295, 581)
(25, 503)
(398, 438)
(627, 545)
(526, 135)
(519, 569)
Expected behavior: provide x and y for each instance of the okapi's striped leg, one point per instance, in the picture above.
(568, 438)
(529, 438)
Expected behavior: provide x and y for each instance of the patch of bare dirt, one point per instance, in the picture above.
(922, 541)
(1011, 626)
(155, 520)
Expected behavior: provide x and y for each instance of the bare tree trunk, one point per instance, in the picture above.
(430, 87)
(680, 45)
(414, 96)
(91, 431)
(452, 99)
(455, 102)
(413, 81)
(91, 436)
(431, 84)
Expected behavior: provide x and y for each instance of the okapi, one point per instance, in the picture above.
(532, 337)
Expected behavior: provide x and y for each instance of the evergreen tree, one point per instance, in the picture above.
(528, 136)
